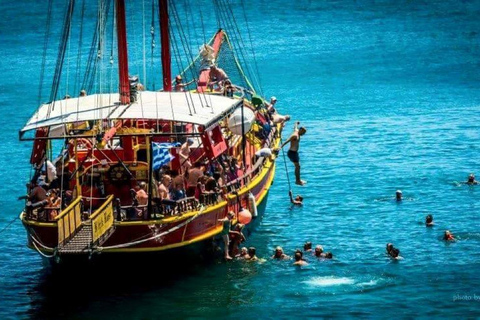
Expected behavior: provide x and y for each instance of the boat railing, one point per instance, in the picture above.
(69, 221)
(255, 170)
(102, 221)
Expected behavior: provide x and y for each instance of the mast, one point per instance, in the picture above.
(165, 39)
(122, 53)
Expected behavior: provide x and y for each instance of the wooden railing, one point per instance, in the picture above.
(102, 220)
(69, 221)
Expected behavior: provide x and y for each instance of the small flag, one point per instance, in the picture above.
(161, 154)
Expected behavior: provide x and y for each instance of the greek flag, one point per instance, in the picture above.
(161, 154)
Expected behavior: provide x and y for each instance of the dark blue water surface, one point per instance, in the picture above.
(389, 94)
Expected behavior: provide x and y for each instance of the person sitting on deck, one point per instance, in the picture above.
(179, 85)
(229, 89)
(471, 180)
(54, 204)
(298, 201)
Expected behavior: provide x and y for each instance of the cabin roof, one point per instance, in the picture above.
(196, 108)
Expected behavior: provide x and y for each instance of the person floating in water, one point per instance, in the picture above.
(471, 180)
(252, 254)
(307, 247)
(292, 153)
(429, 220)
(279, 255)
(398, 195)
(393, 252)
(298, 201)
(448, 236)
(319, 252)
(299, 259)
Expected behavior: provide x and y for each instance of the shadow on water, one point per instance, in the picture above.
(67, 290)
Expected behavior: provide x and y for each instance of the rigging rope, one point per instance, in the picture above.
(9, 224)
(133, 243)
(286, 168)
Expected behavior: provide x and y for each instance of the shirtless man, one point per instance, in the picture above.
(163, 188)
(185, 154)
(217, 75)
(142, 196)
(293, 151)
(179, 85)
(194, 174)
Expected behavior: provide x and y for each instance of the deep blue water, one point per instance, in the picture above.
(389, 94)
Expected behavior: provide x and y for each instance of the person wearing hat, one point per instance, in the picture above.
(179, 85)
(184, 153)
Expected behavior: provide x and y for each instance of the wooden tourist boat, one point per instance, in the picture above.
(87, 200)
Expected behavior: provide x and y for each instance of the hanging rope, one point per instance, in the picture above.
(286, 168)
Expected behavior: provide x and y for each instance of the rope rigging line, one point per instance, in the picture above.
(286, 168)
(133, 243)
(79, 53)
(9, 224)
(45, 46)
(61, 55)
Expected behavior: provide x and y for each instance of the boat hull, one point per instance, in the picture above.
(181, 236)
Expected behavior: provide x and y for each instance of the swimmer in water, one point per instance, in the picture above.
(395, 253)
(398, 195)
(279, 255)
(389, 248)
(307, 247)
(429, 220)
(328, 255)
(448, 236)
(298, 201)
(252, 254)
(319, 252)
(298, 260)
(471, 180)
(243, 254)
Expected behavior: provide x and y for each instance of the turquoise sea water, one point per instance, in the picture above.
(389, 94)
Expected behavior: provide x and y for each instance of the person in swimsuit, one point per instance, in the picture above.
(448, 236)
(429, 220)
(293, 151)
(227, 223)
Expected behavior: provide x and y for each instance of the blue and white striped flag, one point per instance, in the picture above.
(161, 154)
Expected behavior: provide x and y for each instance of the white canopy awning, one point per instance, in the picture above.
(196, 108)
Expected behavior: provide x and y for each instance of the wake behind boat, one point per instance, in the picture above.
(141, 170)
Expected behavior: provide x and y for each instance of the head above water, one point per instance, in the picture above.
(307, 246)
(471, 177)
(252, 251)
(429, 219)
(298, 256)
(318, 250)
(398, 194)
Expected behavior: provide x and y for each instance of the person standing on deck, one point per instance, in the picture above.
(293, 151)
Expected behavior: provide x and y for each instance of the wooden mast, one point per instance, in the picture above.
(122, 53)
(165, 40)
